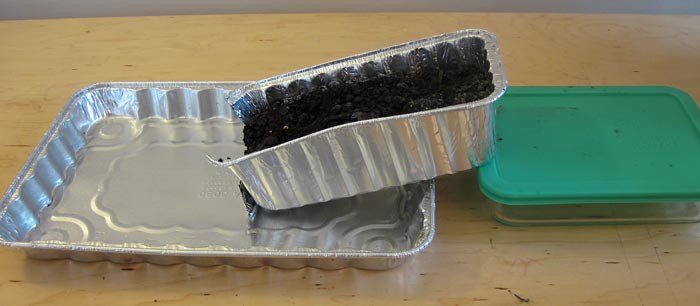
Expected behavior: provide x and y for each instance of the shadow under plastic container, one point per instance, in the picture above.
(591, 155)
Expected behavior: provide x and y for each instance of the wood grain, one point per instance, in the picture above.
(473, 259)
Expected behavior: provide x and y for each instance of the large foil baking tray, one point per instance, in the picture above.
(370, 155)
(121, 175)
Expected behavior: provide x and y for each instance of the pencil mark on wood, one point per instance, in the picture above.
(524, 263)
(521, 299)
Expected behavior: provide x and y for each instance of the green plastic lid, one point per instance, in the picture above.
(561, 145)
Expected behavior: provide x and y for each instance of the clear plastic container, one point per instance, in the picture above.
(588, 155)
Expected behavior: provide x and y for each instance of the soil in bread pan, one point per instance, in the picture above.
(290, 116)
(295, 111)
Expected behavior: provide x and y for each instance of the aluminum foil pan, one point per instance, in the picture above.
(370, 155)
(121, 175)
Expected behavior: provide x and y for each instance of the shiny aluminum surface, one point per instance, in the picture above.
(122, 175)
(370, 155)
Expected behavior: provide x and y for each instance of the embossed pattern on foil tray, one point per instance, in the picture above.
(199, 204)
(122, 176)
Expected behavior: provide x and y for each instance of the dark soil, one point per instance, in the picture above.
(296, 111)
(289, 116)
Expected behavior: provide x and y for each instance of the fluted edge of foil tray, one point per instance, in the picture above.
(42, 180)
(369, 155)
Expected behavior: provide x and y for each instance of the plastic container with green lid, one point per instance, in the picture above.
(595, 155)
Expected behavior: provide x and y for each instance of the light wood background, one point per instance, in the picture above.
(473, 259)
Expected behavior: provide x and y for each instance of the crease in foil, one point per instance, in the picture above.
(371, 155)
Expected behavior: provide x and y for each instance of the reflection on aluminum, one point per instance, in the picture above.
(121, 175)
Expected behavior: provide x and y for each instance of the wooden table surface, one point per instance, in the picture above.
(473, 260)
